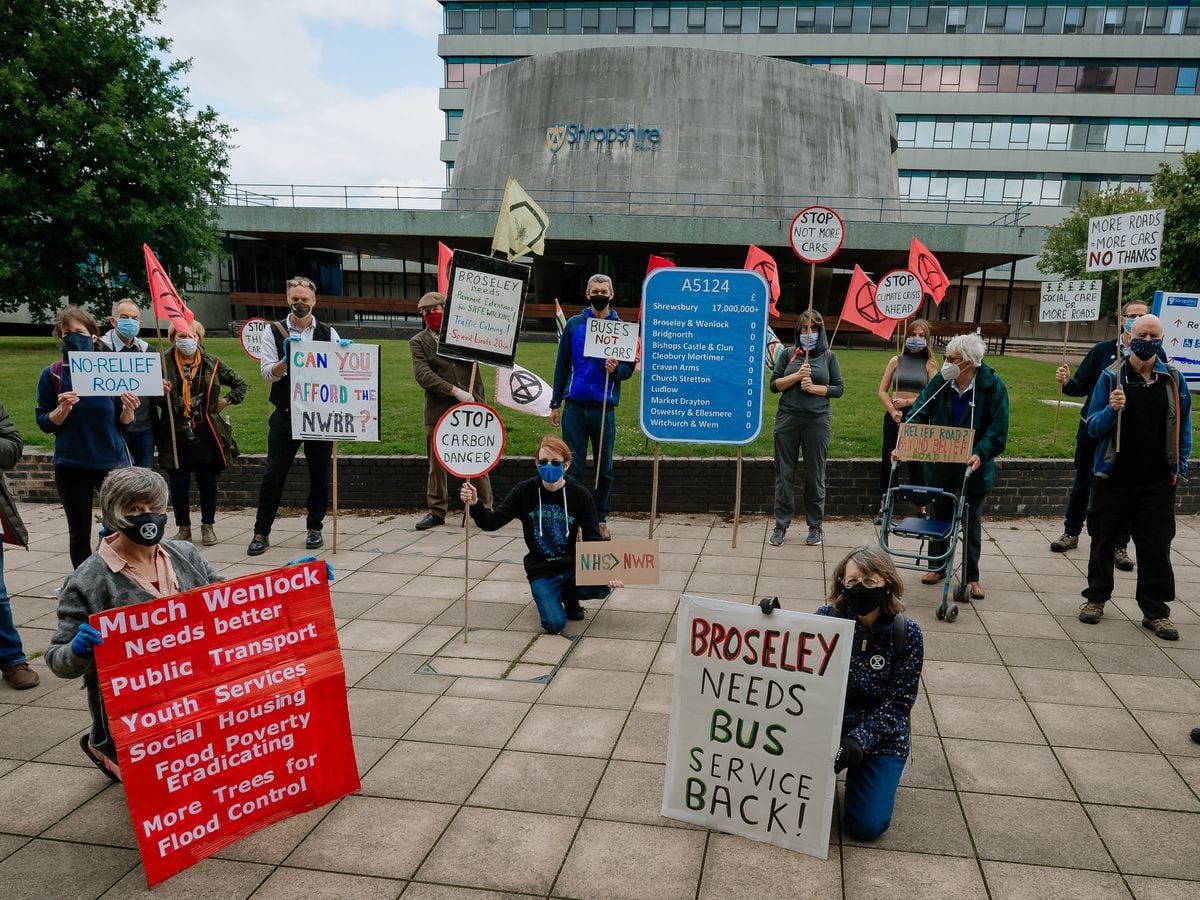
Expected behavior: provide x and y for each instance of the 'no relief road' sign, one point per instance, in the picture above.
(468, 440)
(899, 294)
(817, 234)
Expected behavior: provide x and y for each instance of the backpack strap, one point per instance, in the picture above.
(899, 633)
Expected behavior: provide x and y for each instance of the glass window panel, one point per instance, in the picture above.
(893, 77)
(937, 20)
(981, 132)
(1126, 80)
(1018, 135)
(931, 77)
(660, 17)
(905, 184)
(625, 17)
(899, 20)
(1147, 78)
(1027, 77)
(824, 23)
(976, 187)
(487, 19)
(937, 187)
(919, 187)
(1156, 17)
(1176, 137)
(1073, 21)
(471, 21)
(1156, 137)
(555, 18)
(1051, 188)
(1070, 192)
(1186, 81)
(880, 17)
(962, 134)
(1056, 138)
(1031, 189)
(918, 18)
(695, 17)
(994, 20)
(875, 73)
(857, 72)
(943, 133)
(1137, 135)
(732, 18)
(1007, 82)
(1035, 18)
(989, 76)
(912, 73)
(839, 68)
(1114, 20)
(1066, 77)
(1097, 136)
(1093, 21)
(956, 189)
(906, 132)
(1047, 79)
(1012, 188)
(1134, 16)
(1054, 20)
(520, 20)
(806, 18)
(1193, 139)
(470, 72)
(969, 79)
(860, 22)
(951, 75)
(1000, 133)
(1175, 21)
(924, 138)
(454, 74)
(993, 189)
(1167, 76)
(591, 17)
(1039, 133)
(843, 16)
(1014, 20)
(454, 20)
(1116, 136)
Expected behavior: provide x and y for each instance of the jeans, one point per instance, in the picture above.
(916, 471)
(1149, 508)
(1081, 489)
(76, 488)
(181, 493)
(11, 651)
(553, 596)
(141, 448)
(943, 510)
(580, 424)
(871, 796)
(793, 432)
(281, 453)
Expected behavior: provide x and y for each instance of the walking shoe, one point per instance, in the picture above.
(208, 537)
(21, 677)
(99, 760)
(1162, 628)
(314, 541)
(879, 519)
(1196, 735)
(430, 521)
(1091, 612)
(814, 537)
(1067, 542)
(576, 613)
(183, 534)
(605, 534)
(777, 536)
(258, 546)
(1122, 560)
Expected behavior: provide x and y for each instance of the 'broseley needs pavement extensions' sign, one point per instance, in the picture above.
(228, 707)
(756, 717)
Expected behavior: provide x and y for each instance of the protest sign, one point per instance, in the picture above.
(251, 335)
(633, 562)
(756, 718)
(899, 294)
(484, 309)
(1070, 301)
(113, 374)
(611, 339)
(227, 705)
(934, 443)
(817, 234)
(1131, 240)
(1180, 315)
(468, 439)
(335, 391)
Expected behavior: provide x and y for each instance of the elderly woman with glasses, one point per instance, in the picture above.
(132, 565)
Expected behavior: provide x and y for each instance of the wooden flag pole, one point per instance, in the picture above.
(467, 532)
(335, 496)
(812, 280)
(170, 403)
(600, 443)
(1058, 407)
(1120, 360)
(737, 499)
(654, 490)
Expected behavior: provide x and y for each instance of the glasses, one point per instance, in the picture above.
(300, 281)
(953, 359)
(550, 462)
(871, 581)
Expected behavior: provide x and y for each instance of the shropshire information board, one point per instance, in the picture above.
(228, 708)
(1180, 314)
(335, 391)
(703, 350)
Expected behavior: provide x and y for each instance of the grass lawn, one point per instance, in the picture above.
(857, 416)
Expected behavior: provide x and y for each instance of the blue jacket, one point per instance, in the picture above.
(581, 378)
(1102, 421)
(90, 437)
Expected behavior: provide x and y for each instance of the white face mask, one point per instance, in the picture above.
(187, 346)
(950, 371)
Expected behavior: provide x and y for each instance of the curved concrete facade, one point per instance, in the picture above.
(651, 126)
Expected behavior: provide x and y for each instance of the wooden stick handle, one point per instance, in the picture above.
(467, 557)
(737, 499)
(600, 443)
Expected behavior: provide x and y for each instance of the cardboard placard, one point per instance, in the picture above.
(756, 719)
(228, 708)
(113, 374)
(484, 309)
(816, 234)
(633, 562)
(899, 294)
(468, 439)
(335, 391)
(1131, 240)
(611, 339)
(934, 443)
(251, 335)
(1070, 301)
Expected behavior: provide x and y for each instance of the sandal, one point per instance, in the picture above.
(932, 578)
(102, 764)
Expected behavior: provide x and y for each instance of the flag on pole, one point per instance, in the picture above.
(560, 320)
(658, 262)
(520, 389)
(760, 261)
(521, 226)
(165, 299)
(928, 270)
(860, 309)
(445, 257)
(774, 348)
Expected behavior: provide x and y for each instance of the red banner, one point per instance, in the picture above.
(763, 263)
(658, 262)
(928, 270)
(167, 302)
(228, 708)
(860, 308)
(445, 257)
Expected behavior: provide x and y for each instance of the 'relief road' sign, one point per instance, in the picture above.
(113, 374)
(817, 234)
(1180, 314)
(703, 347)
(468, 439)
(934, 443)
(611, 339)
(899, 294)
(1070, 301)
(1131, 240)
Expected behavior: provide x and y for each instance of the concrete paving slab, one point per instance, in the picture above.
(569, 782)
(874, 874)
(670, 859)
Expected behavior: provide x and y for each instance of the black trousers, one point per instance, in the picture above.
(76, 488)
(181, 490)
(943, 509)
(281, 453)
(1148, 509)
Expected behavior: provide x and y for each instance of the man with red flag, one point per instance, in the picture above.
(763, 263)
(928, 270)
(860, 308)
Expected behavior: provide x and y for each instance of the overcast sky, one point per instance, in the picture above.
(320, 91)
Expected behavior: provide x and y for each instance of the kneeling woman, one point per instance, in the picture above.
(552, 512)
(885, 670)
(131, 566)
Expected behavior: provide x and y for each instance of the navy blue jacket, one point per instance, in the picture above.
(1083, 382)
(581, 378)
(90, 437)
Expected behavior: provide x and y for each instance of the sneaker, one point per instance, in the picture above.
(314, 541)
(576, 614)
(605, 534)
(814, 537)
(208, 537)
(1122, 560)
(430, 521)
(1091, 612)
(777, 536)
(258, 546)
(183, 534)
(1162, 628)
(1067, 542)
(21, 677)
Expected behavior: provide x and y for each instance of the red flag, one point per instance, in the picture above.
(928, 270)
(445, 255)
(658, 262)
(167, 302)
(860, 308)
(763, 263)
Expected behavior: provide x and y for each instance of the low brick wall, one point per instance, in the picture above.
(1024, 487)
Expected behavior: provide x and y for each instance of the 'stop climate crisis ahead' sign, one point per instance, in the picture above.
(817, 234)
(1131, 240)
(899, 294)
(468, 439)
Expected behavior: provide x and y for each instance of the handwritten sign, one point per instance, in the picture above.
(484, 309)
(611, 339)
(468, 439)
(228, 708)
(816, 234)
(251, 336)
(899, 294)
(335, 391)
(1070, 301)
(935, 443)
(112, 374)
(1131, 240)
(633, 562)
(756, 718)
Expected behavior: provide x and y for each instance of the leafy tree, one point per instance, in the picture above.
(100, 151)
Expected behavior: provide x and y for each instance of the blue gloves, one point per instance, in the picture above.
(303, 559)
(345, 342)
(287, 340)
(86, 639)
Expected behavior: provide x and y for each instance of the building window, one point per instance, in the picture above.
(768, 17)
(1035, 18)
(1073, 22)
(695, 17)
(555, 19)
(487, 19)
(918, 18)
(521, 21)
(1114, 20)
(625, 18)
(591, 18)
(453, 124)
(806, 18)
(660, 17)
(956, 19)
(881, 17)
(454, 21)
(843, 18)
(732, 18)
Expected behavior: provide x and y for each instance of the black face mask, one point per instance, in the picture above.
(600, 303)
(300, 310)
(862, 600)
(74, 341)
(147, 529)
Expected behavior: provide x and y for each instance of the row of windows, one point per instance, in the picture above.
(461, 71)
(1045, 133)
(734, 16)
(1042, 189)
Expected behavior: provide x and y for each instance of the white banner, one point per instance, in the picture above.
(611, 339)
(520, 389)
(1070, 301)
(1131, 240)
(756, 718)
(335, 391)
(112, 374)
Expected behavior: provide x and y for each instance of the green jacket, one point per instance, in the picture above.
(11, 448)
(213, 374)
(989, 419)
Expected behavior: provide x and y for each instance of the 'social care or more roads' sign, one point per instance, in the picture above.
(1131, 240)
(228, 708)
(335, 391)
(1180, 315)
(703, 347)
(816, 234)
(1070, 301)
(468, 439)
(113, 374)
(483, 310)
(756, 718)
(611, 339)
(899, 294)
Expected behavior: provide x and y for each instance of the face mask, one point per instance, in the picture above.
(550, 473)
(128, 328)
(1145, 348)
(950, 371)
(433, 321)
(146, 529)
(916, 345)
(77, 342)
(599, 303)
(300, 309)
(809, 341)
(187, 346)
(862, 600)
(1129, 325)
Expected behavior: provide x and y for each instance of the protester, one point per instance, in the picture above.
(298, 325)
(1100, 357)
(443, 381)
(903, 380)
(132, 565)
(88, 443)
(552, 511)
(122, 337)
(808, 377)
(885, 669)
(1140, 405)
(203, 437)
(977, 399)
(14, 665)
(590, 414)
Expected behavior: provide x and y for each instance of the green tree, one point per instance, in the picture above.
(1177, 189)
(100, 151)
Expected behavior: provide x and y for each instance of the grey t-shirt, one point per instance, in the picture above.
(825, 370)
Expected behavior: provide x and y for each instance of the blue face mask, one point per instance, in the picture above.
(551, 473)
(1129, 325)
(79, 343)
(128, 328)
(809, 341)
(1145, 348)
(916, 345)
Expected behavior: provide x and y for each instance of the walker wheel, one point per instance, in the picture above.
(952, 614)
(941, 612)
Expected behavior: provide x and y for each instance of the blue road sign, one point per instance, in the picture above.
(703, 348)
(1180, 314)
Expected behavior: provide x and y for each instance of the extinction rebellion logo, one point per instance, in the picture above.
(639, 137)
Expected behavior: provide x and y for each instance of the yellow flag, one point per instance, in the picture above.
(522, 224)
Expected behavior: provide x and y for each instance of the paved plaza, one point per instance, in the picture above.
(1050, 758)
